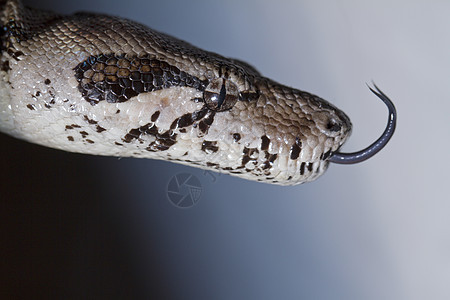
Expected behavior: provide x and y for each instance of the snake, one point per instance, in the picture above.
(103, 85)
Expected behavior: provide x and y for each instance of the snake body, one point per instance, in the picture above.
(103, 85)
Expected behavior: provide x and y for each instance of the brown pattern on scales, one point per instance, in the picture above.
(210, 147)
(270, 158)
(296, 149)
(168, 138)
(117, 78)
(249, 154)
(308, 166)
(55, 70)
(204, 124)
(162, 142)
(265, 142)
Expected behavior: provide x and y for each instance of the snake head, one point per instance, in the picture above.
(286, 135)
(291, 136)
(103, 85)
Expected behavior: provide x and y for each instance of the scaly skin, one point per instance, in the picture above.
(103, 85)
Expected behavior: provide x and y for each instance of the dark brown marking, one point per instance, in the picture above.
(210, 147)
(236, 137)
(117, 78)
(209, 119)
(5, 66)
(52, 95)
(31, 107)
(309, 166)
(210, 164)
(47, 81)
(70, 138)
(155, 116)
(90, 141)
(100, 129)
(133, 134)
(266, 165)
(75, 126)
(204, 124)
(247, 156)
(270, 158)
(302, 168)
(326, 155)
(90, 121)
(265, 141)
(38, 93)
(289, 178)
(118, 144)
(15, 54)
(163, 141)
(296, 149)
(183, 121)
(199, 114)
(84, 134)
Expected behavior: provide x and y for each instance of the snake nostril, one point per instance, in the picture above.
(332, 125)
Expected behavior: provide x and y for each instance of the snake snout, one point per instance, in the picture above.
(333, 123)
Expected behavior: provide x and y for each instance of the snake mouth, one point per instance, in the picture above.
(344, 124)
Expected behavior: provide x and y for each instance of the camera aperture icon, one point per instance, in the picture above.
(184, 190)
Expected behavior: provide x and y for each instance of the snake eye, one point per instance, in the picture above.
(221, 94)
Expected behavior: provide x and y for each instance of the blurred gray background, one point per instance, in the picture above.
(78, 226)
